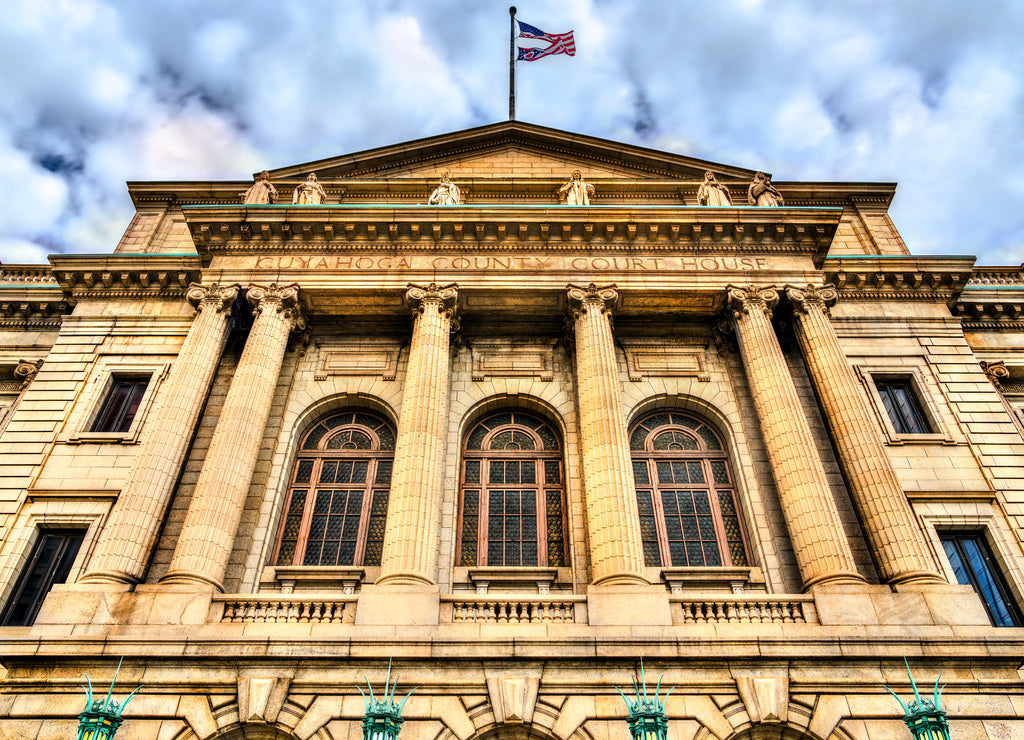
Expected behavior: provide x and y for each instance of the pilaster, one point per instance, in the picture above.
(888, 521)
(410, 549)
(208, 534)
(819, 542)
(613, 522)
(131, 532)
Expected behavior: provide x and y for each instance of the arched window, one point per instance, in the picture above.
(689, 513)
(512, 502)
(337, 502)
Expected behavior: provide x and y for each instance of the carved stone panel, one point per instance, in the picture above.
(660, 360)
(512, 360)
(361, 357)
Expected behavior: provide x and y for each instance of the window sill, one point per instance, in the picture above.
(124, 438)
(291, 578)
(713, 580)
(484, 580)
(898, 440)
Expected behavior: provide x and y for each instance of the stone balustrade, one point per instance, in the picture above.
(309, 609)
(513, 609)
(740, 610)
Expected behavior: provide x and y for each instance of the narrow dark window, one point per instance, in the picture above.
(512, 503)
(974, 566)
(686, 498)
(121, 404)
(902, 405)
(50, 562)
(337, 504)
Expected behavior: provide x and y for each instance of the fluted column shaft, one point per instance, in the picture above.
(885, 513)
(204, 545)
(815, 529)
(131, 532)
(613, 522)
(414, 505)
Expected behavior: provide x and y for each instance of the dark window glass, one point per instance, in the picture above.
(902, 406)
(50, 562)
(516, 514)
(121, 404)
(341, 519)
(685, 495)
(974, 566)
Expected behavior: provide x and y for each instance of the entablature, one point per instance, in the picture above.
(898, 278)
(124, 276)
(734, 231)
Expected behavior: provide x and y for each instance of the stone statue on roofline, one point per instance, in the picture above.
(712, 192)
(762, 193)
(261, 192)
(309, 193)
(577, 191)
(446, 193)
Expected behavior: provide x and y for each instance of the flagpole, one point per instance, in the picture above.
(512, 64)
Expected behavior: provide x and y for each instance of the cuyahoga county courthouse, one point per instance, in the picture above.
(515, 408)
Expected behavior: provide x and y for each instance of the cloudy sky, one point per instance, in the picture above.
(926, 93)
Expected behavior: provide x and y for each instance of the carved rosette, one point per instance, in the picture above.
(445, 297)
(284, 299)
(581, 299)
(996, 372)
(823, 297)
(743, 300)
(218, 297)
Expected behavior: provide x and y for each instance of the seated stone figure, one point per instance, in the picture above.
(309, 193)
(762, 193)
(446, 193)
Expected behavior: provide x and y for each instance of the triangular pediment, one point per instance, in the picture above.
(511, 149)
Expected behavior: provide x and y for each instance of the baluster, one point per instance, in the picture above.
(229, 611)
(730, 612)
(787, 611)
(545, 615)
(304, 614)
(251, 609)
(317, 609)
(502, 612)
(719, 612)
(291, 612)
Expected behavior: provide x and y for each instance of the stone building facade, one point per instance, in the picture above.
(516, 445)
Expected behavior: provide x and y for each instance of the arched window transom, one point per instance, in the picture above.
(689, 512)
(512, 495)
(337, 503)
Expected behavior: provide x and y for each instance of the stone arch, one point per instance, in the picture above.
(506, 401)
(728, 424)
(247, 731)
(518, 731)
(294, 426)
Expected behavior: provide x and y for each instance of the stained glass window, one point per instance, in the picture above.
(512, 502)
(335, 512)
(686, 498)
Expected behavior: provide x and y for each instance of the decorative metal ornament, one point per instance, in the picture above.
(383, 719)
(646, 719)
(102, 717)
(925, 717)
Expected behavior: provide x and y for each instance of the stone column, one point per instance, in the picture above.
(131, 532)
(414, 506)
(613, 522)
(204, 545)
(889, 524)
(819, 542)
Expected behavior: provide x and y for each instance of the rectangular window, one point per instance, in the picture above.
(974, 566)
(50, 563)
(902, 406)
(120, 405)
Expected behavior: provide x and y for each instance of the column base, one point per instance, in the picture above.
(835, 580)
(627, 603)
(916, 579)
(399, 603)
(109, 577)
(198, 581)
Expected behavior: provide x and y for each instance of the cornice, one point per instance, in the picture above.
(124, 276)
(898, 278)
(238, 229)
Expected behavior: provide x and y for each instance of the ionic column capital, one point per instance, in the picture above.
(445, 297)
(218, 297)
(744, 300)
(582, 298)
(822, 297)
(283, 299)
